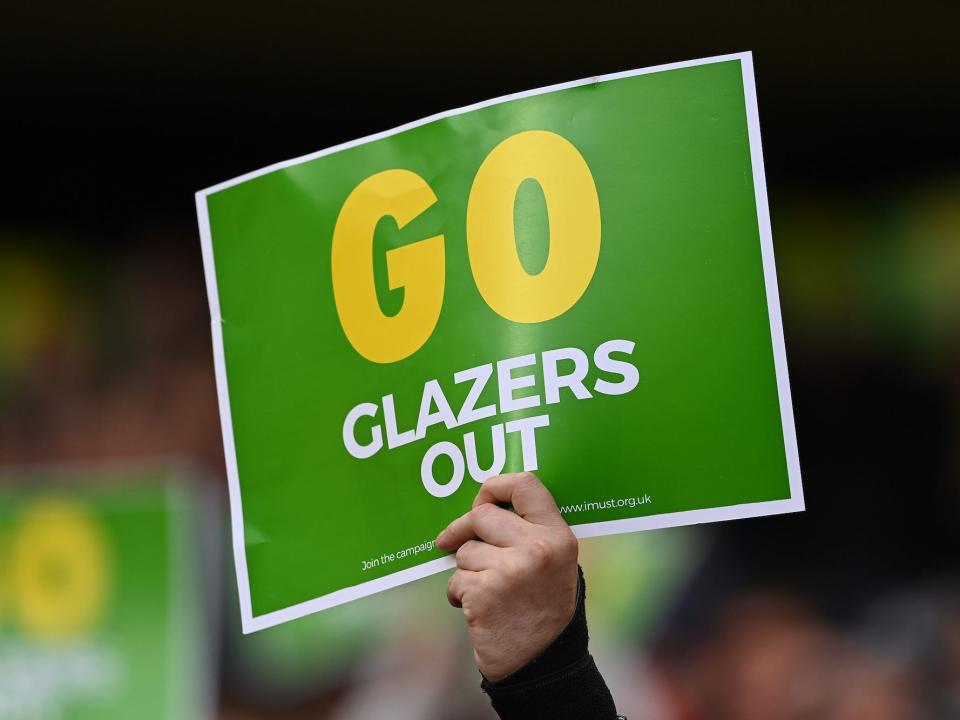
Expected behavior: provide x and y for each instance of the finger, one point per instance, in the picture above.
(489, 523)
(530, 498)
(457, 585)
(477, 555)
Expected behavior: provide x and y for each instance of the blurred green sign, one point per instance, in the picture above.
(99, 602)
(577, 280)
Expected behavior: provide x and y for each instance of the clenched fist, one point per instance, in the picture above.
(516, 577)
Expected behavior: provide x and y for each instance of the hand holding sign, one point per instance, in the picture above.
(516, 577)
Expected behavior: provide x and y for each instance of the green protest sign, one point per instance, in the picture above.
(577, 280)
(100, 612)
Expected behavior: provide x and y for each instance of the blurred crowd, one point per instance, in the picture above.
(850, 611)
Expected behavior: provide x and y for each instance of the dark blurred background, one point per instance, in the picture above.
(116, 113)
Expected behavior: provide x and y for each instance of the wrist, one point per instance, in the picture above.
(562, 683)
(564, 646)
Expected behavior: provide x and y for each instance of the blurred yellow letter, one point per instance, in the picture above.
(60, 571)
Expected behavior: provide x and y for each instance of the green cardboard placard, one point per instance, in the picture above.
(100, 605)
(577, 280)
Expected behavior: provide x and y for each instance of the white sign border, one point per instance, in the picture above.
(795, 503)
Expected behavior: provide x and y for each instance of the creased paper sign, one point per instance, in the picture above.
(577, 280)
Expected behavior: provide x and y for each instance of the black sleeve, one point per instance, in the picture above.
(562, 683)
